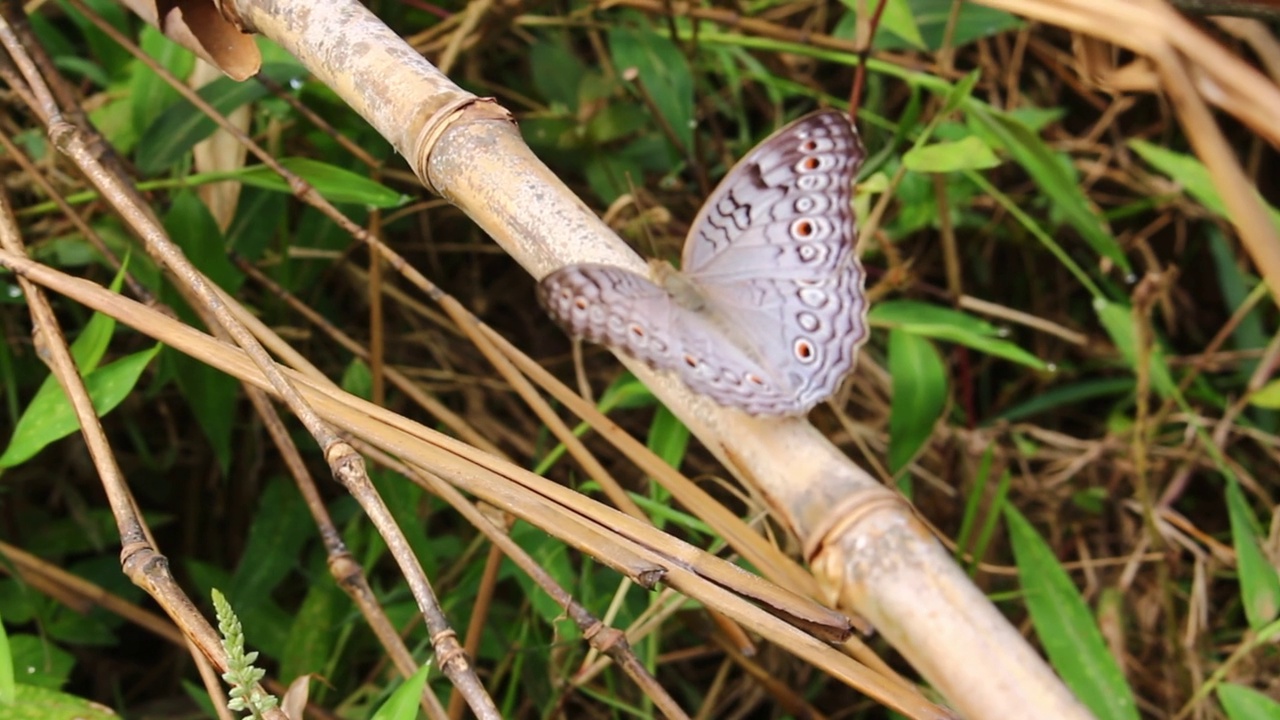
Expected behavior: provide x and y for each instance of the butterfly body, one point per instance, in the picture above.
(767, 311)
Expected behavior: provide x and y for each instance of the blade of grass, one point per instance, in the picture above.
(919, 394)
(1259, 583)
(1066, 627)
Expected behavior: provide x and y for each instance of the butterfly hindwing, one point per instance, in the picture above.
(628, 312)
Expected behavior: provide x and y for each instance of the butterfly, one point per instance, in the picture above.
(767, 311)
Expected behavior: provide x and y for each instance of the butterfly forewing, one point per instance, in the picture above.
(772, 253)
(784, 206)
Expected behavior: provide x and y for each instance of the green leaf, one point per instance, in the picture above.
(909, 313)
(898, 19)
(248, 234)
(193, 228)
(1250, 333)
(39, 662)
(1191, 174)
(49, 417)
(552, 555)
(973, 537)
(46, 704)
(89, 531)
(80, 68)
(1267, 396)
(931, 17)
(91, 344)
(210, 393)
(1037, 119)
(669, 440)
(944, 323)
(625, 393)
(1243, 703)
(942, 157)
(556, 72)
(960, 92)
(55, 36)
(662, 71)
(315, 631)
(70, 628)
(149, 95)
(668, 437)
(334, 183)
(406, 502)
(8, 694)
(610, 175)
(212, 396)
(919, 394)
(109, 54)
(170, 138)
(1065, 396)
(1066, 627)
(1259, 583)
(1054, 177)
(357, 379)
(1117, 320)
(403, 703)
(280, 529)
(281, 526)
(114, 119)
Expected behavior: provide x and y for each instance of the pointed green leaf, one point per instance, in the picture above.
(49, 704)
(898, 18)
(1055, 178)
(170, 138)
(1117, 319)
(315, 632)
(357, 379)
(210, 392)
(1244, 703)
(403, 703)
(281, 527)
(934, 24)
(663, 73)
(556, 72)
(668, 437)
(1267, 396)
(149, 95)
(91, 344)
(1192, 175)
(49, 417)
(8, 693)
(1066, 627)
(1067, 395)
(961, 91)
(1259, 583)
(944, 323)
(942, 157)
(334, 183)
(919, 393)
(39, 662)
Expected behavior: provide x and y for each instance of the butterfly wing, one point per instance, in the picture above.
(805, 334)
(628, 312)
(784, 208)
(772, 254)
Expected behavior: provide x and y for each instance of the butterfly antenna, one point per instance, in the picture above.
(855, 94)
